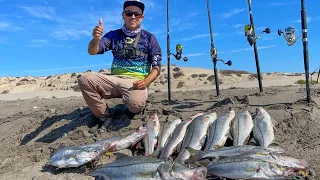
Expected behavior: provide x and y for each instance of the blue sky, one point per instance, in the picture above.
(45, 37)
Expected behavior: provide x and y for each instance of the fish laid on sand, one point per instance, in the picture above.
(263, 128)
(238, 167)
(143, 167)
(177, 137)
(165, 135)
(241, 128)
(129, 140)
(79, 155)
(219, 130)
(196, 135)
(231, 151)
(174, 171)
(280, 160)
(150, 140)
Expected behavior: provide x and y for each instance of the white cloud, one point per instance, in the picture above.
(299, 21)
(277, 4)
(73, 26)
(195, 54)
(232, 12)
(199, 36)
(251, 48)
(6, 26)
(43, 12)
(38, 43)
(67, 34)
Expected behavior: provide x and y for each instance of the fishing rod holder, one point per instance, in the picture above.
(289, 35)
(179, 53)
(251, 38)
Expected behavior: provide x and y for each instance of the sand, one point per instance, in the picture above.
(36, 120)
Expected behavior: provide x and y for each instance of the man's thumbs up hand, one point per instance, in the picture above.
(98, 30)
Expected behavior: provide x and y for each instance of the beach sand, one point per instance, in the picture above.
(36, 120)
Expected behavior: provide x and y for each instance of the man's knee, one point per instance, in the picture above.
(85, 79)
(136, 104)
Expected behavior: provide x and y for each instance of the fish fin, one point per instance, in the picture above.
(231, 130)
(251, 170)
(218, 147)
(178, 147)
(246, 140)
(204, 163)
(155, 142)
(194, 155)
(203, 140)
(109, 153)
(147, 174)
(253, 142)
(274, 144)
(139, 145)
(120, 155)
(192, 151)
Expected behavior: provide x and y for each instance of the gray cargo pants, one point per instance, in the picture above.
(96, 88)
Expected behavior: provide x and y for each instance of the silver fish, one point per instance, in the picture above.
(129, 140)
(231, 151)
(237, 167)
(219, 130)
(79, 155)
(174, 171)
(241, 128)
(280, 160)
(165, 135)
(196, 135)
(177, 137)
(129, 167)
(263, 128)
(150, 140)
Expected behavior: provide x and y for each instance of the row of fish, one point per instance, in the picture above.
(207, 132)
(203, 136)
(198, 141)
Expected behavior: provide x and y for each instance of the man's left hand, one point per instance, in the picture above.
(140, 84)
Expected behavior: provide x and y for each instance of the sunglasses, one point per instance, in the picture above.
(130, 13)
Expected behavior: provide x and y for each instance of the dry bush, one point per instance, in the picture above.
(180, 84)
(211, 79)
(194, 75)
(203, 75)
(73, 74)
(5, 92)
(236, 72)
(176, 69)
(255, 76)
(177, 74)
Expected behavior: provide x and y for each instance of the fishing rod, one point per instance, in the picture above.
(290, 37)
(214, 53)
(315, 71)
(177, 56)
(251, 37)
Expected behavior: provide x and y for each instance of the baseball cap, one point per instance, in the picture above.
(137, 3)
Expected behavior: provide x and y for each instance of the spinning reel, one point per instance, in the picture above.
(248, 32)
(214, 55)
(289, 35)
(179, 53)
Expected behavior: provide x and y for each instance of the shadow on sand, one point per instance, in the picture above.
(77, 118)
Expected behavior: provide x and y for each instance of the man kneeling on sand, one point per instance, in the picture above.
(136, 63)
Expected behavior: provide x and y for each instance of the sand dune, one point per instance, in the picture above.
(182, 78)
